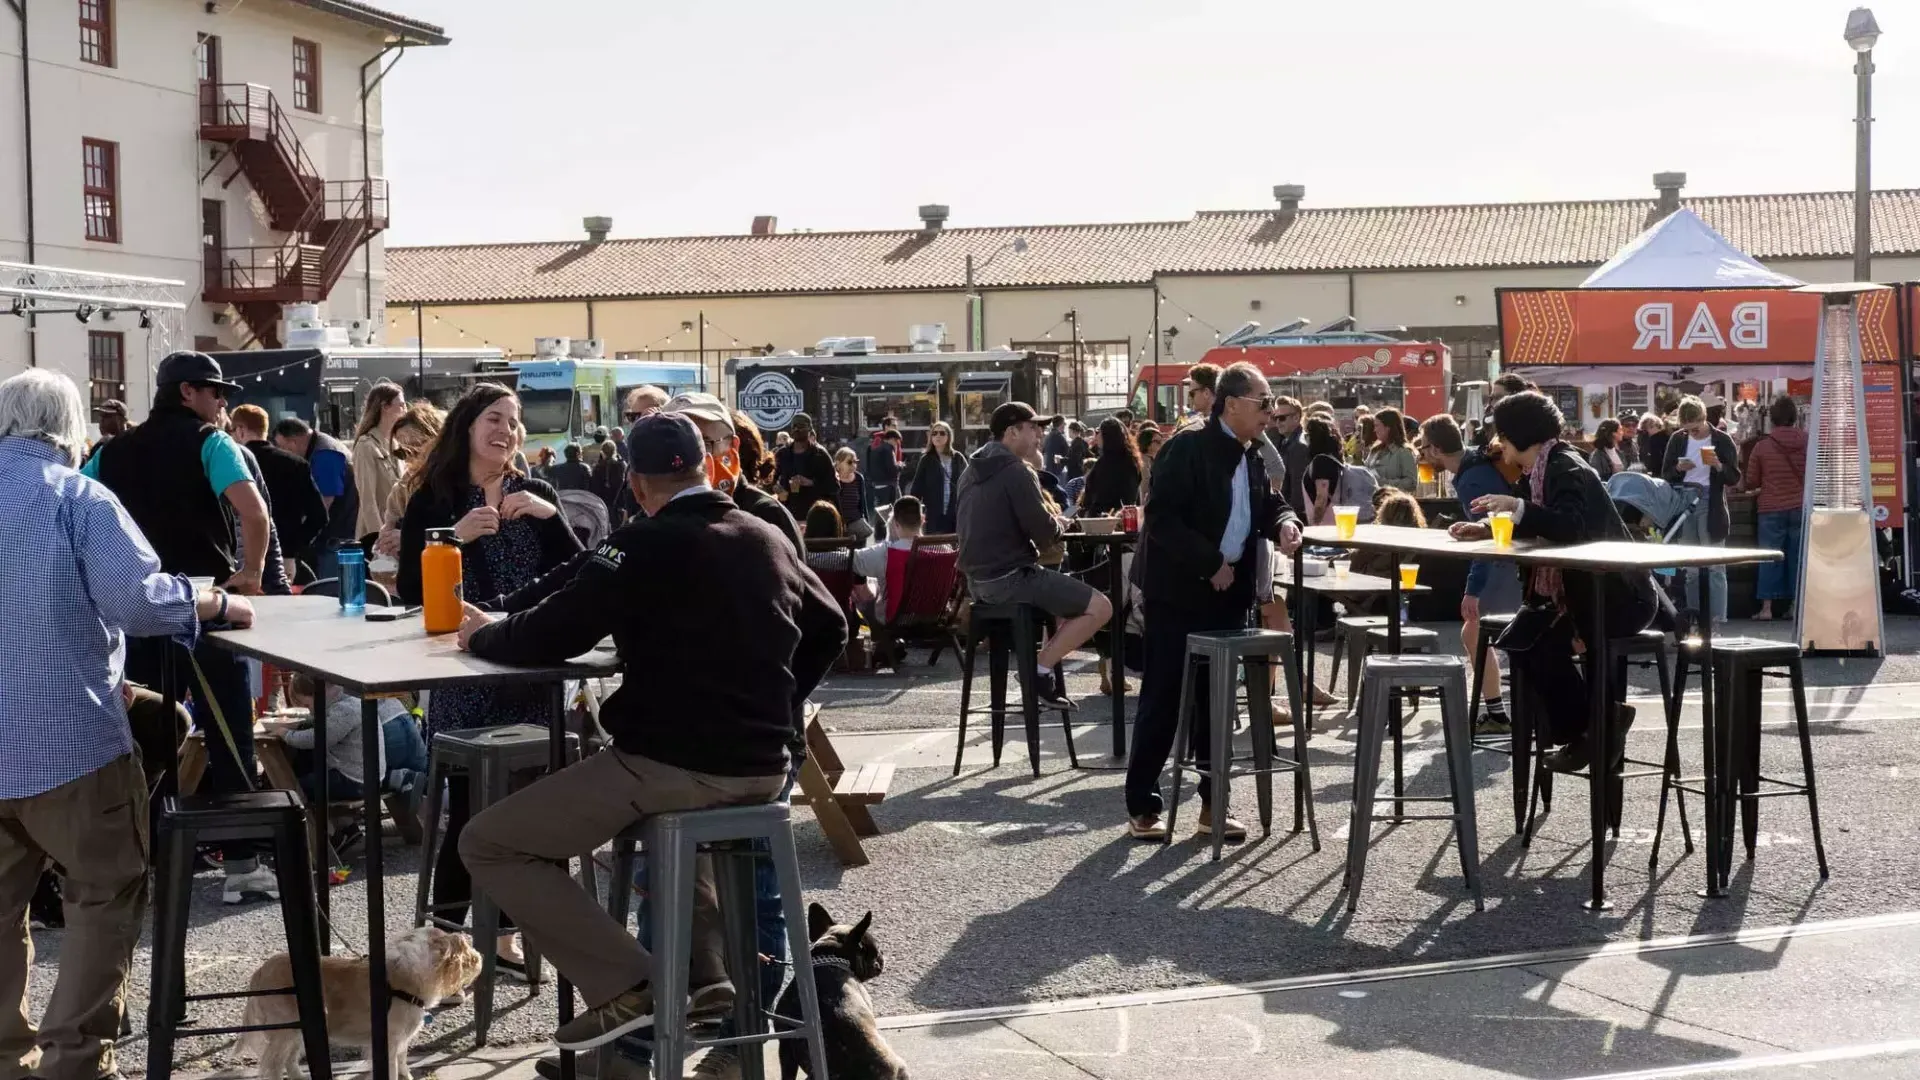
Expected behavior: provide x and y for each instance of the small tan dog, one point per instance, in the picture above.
(426, 964)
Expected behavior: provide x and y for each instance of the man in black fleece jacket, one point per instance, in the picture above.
(723, 633)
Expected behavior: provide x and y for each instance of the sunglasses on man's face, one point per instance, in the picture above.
(1261, 403)
(219, 392)
(631, 416)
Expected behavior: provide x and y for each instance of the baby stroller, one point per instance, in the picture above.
(1658, 512)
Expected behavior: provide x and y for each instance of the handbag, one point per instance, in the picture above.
(1530, 624)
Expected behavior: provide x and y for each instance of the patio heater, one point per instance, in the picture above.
(1840, 561)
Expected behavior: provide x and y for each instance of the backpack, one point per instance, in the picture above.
(1354, 488)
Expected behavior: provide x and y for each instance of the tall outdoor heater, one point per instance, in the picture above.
(1840, 563)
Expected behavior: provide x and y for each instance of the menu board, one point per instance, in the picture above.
(1882, 385)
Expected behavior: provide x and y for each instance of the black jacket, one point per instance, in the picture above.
(155, 472)
(1078, 451)
(1053, 452)
(815, 464)
(1576, 510)
(1186, 515)
(937, 501)
(1109, 487)
(757, 502)
(299, 515)
(1653, 451)
(571, 476)
(722, 629)
(1719, 523)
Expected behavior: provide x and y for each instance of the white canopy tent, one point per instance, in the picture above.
(1683, 252)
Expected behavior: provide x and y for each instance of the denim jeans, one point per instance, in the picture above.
(770, 930)
(1696, 532)
(1779, 530)
(405, 747)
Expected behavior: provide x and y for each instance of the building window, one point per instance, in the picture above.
(106, 365)
(96, 32)
(306, 76)
(207, 58)
(100, 171)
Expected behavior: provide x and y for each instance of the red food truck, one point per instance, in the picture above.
(1346, 368)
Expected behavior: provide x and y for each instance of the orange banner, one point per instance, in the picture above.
(1661, 327)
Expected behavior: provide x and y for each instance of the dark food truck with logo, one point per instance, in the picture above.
(849, 394)
(325, 386)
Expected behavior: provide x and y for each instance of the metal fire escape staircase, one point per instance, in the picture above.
(326, 221)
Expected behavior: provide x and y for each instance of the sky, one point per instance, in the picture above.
(684, 117)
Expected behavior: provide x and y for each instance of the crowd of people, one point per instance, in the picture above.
(127, 549)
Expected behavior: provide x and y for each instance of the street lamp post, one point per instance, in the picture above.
(1018, 245)
(1862, 32)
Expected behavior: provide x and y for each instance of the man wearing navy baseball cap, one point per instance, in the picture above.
(723, 632)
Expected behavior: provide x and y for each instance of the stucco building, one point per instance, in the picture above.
(1135, 292)
(235, 147)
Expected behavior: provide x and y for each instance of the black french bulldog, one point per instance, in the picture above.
(843, 958)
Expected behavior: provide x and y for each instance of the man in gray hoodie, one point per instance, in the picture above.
(1003, 523)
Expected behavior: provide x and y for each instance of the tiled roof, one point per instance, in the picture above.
(413, 30)
(1790, 226)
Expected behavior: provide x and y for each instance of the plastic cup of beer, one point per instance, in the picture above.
(1340, 570)
(1502, 525)
(1345, 520)
(1409, 575)
(1426, 473)
(1709, 456)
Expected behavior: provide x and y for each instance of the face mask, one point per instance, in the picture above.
(723, 469)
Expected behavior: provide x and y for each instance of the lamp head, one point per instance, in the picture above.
(1862, 30)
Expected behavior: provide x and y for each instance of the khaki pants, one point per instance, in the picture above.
(96, 829)
(517, 850)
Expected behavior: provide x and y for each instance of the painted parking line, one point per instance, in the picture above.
(1802, 1060)
(1573, 954)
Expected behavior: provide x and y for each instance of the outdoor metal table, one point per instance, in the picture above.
(1600, 558)
(370, 659)
(1115, 544)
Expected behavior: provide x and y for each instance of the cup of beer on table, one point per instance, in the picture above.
(1409, 575)
(1345, 520)
(1502, 525)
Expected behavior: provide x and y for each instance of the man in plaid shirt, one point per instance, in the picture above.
(78, 579)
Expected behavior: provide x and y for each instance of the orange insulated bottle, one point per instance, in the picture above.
(440, 582)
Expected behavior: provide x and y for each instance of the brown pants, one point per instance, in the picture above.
(96, 828)
(517, 850)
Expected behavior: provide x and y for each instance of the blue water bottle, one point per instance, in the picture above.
(353, 578)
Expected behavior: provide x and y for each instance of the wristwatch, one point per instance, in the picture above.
(221, 615)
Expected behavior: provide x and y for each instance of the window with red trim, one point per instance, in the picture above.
(306, 76)
(100, 188)
(96, 32)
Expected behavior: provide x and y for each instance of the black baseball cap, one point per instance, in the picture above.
(194, 369)
(1016, 412)
(665, 443)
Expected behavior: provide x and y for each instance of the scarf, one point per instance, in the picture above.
(1546, 579)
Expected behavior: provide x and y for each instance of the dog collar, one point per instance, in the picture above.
(402, 995)
(833, 962)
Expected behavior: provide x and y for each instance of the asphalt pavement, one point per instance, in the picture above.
(996, 889)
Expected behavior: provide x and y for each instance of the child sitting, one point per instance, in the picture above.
(1391, 507)
(403, 752)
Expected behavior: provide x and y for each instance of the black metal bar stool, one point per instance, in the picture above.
(1646, 649)
(1252, 652)
(280, 818)
(1740, 668)
(489, 758)
(1008, 628)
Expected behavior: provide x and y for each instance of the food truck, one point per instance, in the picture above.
(848, 387)
(564, 399)
(1344, 367)
(326, 384)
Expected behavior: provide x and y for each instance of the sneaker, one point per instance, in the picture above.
(1324, 699)
(1493, 725)
(721, 1063)
(713, 1001)
(1232, 831)
(608, 1064)
(1147, 827)
(258, 882)
(629, 1011)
